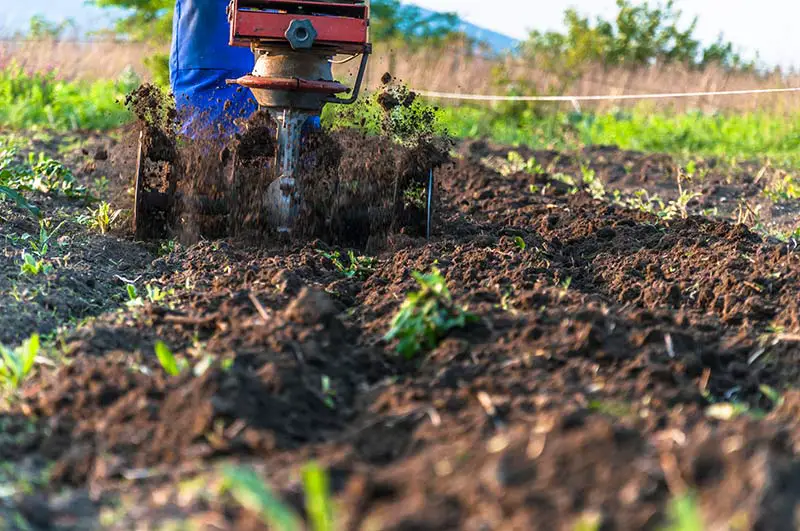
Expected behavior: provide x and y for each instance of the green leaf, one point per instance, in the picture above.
(771, 393)
(520, 243)
(318, 497)
(12, 368)
(684, 515)
(20, 200)
(29, 350)
(167, 359)
(250, 491)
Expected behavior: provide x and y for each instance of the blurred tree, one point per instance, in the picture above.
(40, 28)
(639, 35)
(393, 21)
(149, 20)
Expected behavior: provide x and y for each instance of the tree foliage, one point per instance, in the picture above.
(639, 35)
(149, 20)
(39, 27)
(393, 21)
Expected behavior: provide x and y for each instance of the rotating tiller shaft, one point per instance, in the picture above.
(294, 42)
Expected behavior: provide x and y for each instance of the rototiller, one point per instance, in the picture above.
(294, 43)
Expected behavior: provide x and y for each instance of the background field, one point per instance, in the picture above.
(602, 331)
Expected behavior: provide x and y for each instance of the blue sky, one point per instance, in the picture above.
(767, 26)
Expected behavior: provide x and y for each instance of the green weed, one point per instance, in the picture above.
(593, 185)
(133, 296)
(426, 316)
(37, 172)
(516, 163)
(41, 244)
(153, 294)
(319, 506)
(156, 294)
(16, 364)
(786, 188)
(415, 196)
(19, 200)
(168, 361)
(33, 266)
(684, 515)
(360, 267)
(328, 392)
(103, 217)
(252, 493)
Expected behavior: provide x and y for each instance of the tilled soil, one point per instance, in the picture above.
(621, 363)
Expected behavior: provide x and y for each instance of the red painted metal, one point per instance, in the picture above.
(291, 84)
(341, 9)
(331, 31)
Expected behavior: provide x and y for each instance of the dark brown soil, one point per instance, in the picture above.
(581, 397)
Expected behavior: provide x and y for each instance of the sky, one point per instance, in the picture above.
(763, 26)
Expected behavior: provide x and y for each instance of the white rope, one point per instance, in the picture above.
(610, 97)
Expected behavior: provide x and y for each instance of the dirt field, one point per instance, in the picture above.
(620, 364)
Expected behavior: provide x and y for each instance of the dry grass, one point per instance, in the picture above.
(75, 59)
(455, 71)
(450, 70)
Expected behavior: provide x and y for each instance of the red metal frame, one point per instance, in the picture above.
(343, 27)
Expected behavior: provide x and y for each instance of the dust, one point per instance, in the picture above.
(357, 187)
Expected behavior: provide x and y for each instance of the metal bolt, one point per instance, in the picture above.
(301, 34)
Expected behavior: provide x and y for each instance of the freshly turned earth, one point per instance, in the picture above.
(580, 397)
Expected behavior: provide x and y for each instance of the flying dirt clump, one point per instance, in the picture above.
(360, 178)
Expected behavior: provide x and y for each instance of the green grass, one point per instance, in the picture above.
(31, 100)
(36, 100)
(757, 136)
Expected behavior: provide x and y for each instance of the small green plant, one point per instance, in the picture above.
(516, 163)
(328, 392)
(103, 217)
(684, 515)
(133, 296)
(426, 316)
(168, 361)
(252, 493)
(589, 522)
(520, 243)
(41, 245)
(19, 200)
(166, 247)
(319, 506)
(359, 267)
(592, 184)
(16, 364)
(33, 266)
(156, 294)
(414, 196)
(786, 188)
(100, 185)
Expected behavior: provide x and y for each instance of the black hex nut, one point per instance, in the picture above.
(301, 34)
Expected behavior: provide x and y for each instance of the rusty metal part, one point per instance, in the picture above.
(289, 84)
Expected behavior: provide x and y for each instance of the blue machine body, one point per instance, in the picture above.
(200, 62)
